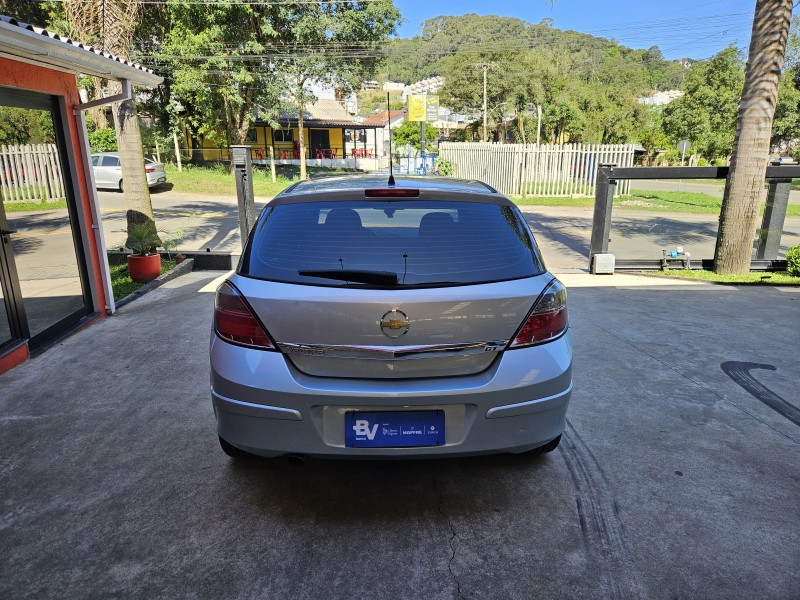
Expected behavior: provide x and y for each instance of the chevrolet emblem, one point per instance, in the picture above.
(394, 323)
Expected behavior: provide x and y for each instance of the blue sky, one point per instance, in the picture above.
(681, 28)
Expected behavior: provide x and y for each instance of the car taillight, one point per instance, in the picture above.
(547, 319)
(150, 170)
(234, 322)
(391, 192)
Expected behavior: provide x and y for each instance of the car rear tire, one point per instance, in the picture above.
(548, 447)
(233, 451)
(121, 189)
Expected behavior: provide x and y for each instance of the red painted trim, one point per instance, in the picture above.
(50, 81)
(14, 357)
(46, 80)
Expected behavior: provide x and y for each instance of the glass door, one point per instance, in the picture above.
(6, 333)
(45, 292)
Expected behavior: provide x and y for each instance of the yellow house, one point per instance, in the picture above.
(329, 133)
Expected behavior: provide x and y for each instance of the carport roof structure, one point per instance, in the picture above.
(25, 42)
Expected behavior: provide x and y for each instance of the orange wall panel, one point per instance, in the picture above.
(35, 78)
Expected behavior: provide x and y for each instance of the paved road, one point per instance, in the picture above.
(563, 233)
(673, 480)
(672, 185)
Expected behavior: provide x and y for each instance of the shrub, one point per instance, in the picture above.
(793, 261)
(103, 140)
(702, 162)
(719, 162)
(444, 166)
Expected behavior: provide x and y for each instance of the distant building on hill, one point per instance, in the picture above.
(661, 98)
(432, 85)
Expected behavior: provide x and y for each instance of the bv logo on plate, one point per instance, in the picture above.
(394, 323)
(402, 429)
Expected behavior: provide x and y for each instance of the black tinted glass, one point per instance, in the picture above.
(422, 242)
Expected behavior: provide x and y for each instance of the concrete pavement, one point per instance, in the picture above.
(677, 478)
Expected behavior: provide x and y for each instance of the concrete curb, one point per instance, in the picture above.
(187, 266)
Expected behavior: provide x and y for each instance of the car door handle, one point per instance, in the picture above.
(7, 231)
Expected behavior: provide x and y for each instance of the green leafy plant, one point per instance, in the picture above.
(444, 167)
(143, 238)
(793, 260)
(103, 140)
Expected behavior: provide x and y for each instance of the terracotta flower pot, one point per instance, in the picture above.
(144, 268)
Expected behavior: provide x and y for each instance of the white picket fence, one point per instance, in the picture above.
(30, 172)
(531, 170)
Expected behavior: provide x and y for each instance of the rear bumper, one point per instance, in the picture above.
(156, 179)
(265, 406)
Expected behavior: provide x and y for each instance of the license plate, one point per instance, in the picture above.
(402, 429)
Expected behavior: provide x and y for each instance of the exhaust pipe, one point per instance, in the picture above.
(296, 460)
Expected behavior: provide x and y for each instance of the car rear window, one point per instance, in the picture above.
(423, 243)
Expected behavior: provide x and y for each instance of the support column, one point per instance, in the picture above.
(243, 170)
(603, 200)
(769, 236)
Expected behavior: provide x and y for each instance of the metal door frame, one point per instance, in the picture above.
(12, 292)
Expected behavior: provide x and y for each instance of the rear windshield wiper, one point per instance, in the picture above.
(386, 278)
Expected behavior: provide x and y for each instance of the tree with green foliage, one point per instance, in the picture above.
(319, 38)
(22, 126)
(410, 133)
(706, 114)
(219, 76)
(240, 59)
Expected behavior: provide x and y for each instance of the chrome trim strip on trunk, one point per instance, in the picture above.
(392, 352)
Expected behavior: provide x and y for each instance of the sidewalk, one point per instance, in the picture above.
(672, 479)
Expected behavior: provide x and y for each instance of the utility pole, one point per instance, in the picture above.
(538, 124)
(485, 69)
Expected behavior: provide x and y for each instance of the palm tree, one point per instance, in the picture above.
(110, 24)
(744, 189)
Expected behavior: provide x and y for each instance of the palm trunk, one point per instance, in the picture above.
(744, 188)
(131, 158)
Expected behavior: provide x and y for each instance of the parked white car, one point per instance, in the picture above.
(108, 172)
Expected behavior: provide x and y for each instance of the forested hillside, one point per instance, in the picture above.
(586, 85)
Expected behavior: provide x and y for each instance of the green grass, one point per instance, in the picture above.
(218, 180)
(123, 285)
(721, 182)
(15, 207)
(749, 279)
(642, 200)
(583, 202)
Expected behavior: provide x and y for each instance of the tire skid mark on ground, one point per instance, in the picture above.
(740, 373)
(601, 524)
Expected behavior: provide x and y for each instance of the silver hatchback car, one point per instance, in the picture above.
(375, 320)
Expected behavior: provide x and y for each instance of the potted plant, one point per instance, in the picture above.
(144, 264)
